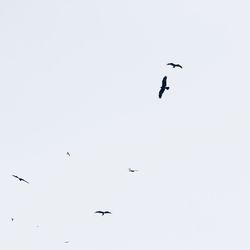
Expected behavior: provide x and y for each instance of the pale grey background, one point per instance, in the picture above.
(83, 76)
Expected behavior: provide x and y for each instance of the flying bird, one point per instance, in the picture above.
(132, 170)
(68, 153)
(102, 212)
(66, 241)
(20, 179)
(163, 86)
(175, 65)
(12, 219)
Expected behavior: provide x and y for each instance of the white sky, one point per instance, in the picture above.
(83, 77)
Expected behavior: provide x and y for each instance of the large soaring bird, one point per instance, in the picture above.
(102, 212)
(163, 86)
(20, 179)
(132, 170)
(175, 65)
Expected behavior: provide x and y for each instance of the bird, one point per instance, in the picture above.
(66, 241)
(68, 153)
(175, 65)
(20, 179)
(163, 86)
(12, 218)
(102, 212)
(132, 170)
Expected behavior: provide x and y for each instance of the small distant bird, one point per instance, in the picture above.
(175, 65)
(68, 153)
(163, 86)
(66, 241)
(102, 212)
(132, 170)
(12, 219)
(20, 179)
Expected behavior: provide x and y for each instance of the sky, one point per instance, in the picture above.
(83, 77)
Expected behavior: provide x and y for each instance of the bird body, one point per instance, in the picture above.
(20, 179)
(163, 86)
(175, 65)
(68, 153)
(102, 212)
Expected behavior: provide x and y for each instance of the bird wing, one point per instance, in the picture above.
(161, 92)
(178, 65)
(21, 179)
(164, 82)
(107, 212)
(170, 64)
(15, 176)
(98, 212)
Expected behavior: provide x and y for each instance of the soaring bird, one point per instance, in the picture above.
(68, 153)
(163, 86)
(20, 179)
(175, 65)
(132, 170)
(102, 212)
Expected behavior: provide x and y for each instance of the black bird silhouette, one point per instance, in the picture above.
(102, 212)
(175, 65)
(20, 179)
(132, 170)
(12, 218)
(68, 153)
(163, 86)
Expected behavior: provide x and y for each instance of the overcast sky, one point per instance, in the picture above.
(83, 76)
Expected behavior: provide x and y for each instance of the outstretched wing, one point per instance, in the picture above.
(164, 82)
(107, 212)
(15, 176)
(171, 64)
(161, 92)
(98, 212)
(21, 179)
(178, 65)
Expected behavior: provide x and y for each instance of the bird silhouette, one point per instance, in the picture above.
(175, 65)
(132, 170)
(66, 241)
(102, 212)
(12, 218)
(163, 86)
(20, 179)
(68, 153)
